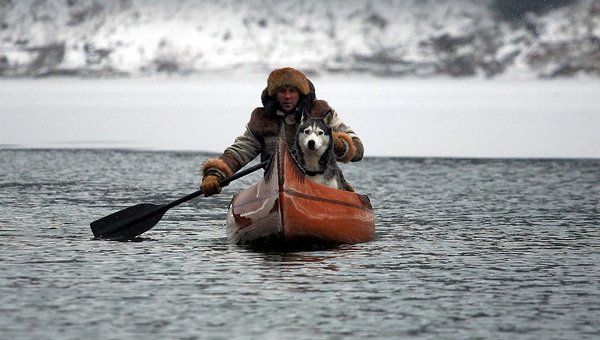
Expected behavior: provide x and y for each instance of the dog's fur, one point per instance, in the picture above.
(314, 151)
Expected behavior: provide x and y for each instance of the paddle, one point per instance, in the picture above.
(133, 221)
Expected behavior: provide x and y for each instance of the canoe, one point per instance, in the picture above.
(286, 209)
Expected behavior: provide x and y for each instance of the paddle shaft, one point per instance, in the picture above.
(163, 208)
(135, 220)
(221, 183)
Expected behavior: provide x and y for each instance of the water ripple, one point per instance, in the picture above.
(497, 249)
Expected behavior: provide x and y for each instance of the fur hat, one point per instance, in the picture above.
(287, 76)
(304, 104)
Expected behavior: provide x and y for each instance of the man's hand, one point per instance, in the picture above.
(343, 147)
(210, 185)
(338, 144)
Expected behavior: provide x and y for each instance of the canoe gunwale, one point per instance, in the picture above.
(327, 200)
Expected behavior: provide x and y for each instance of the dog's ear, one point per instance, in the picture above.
(305, 115)
(328, 118)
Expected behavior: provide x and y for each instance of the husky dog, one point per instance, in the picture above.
(314, 151)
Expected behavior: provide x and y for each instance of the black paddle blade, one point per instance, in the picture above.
(128, 223)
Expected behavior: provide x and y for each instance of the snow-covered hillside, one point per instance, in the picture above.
(386, 37)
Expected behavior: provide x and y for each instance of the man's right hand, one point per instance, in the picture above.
(210, 185)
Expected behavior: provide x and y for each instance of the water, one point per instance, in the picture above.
(498, 249)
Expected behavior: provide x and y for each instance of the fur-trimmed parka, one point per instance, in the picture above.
(268, 122)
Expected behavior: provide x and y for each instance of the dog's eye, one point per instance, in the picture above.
(320, 133)
(307, 131)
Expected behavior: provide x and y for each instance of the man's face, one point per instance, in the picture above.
(288, 97)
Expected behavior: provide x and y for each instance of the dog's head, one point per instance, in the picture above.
(314, 133)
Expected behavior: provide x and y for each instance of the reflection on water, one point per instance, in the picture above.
(464, 249)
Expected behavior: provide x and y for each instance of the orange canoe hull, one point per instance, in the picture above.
(286, 209)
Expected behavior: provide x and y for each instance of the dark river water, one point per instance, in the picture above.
(494, 249)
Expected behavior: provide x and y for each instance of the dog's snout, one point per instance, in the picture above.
(311, 144)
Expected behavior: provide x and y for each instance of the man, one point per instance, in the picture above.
(287, 95)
